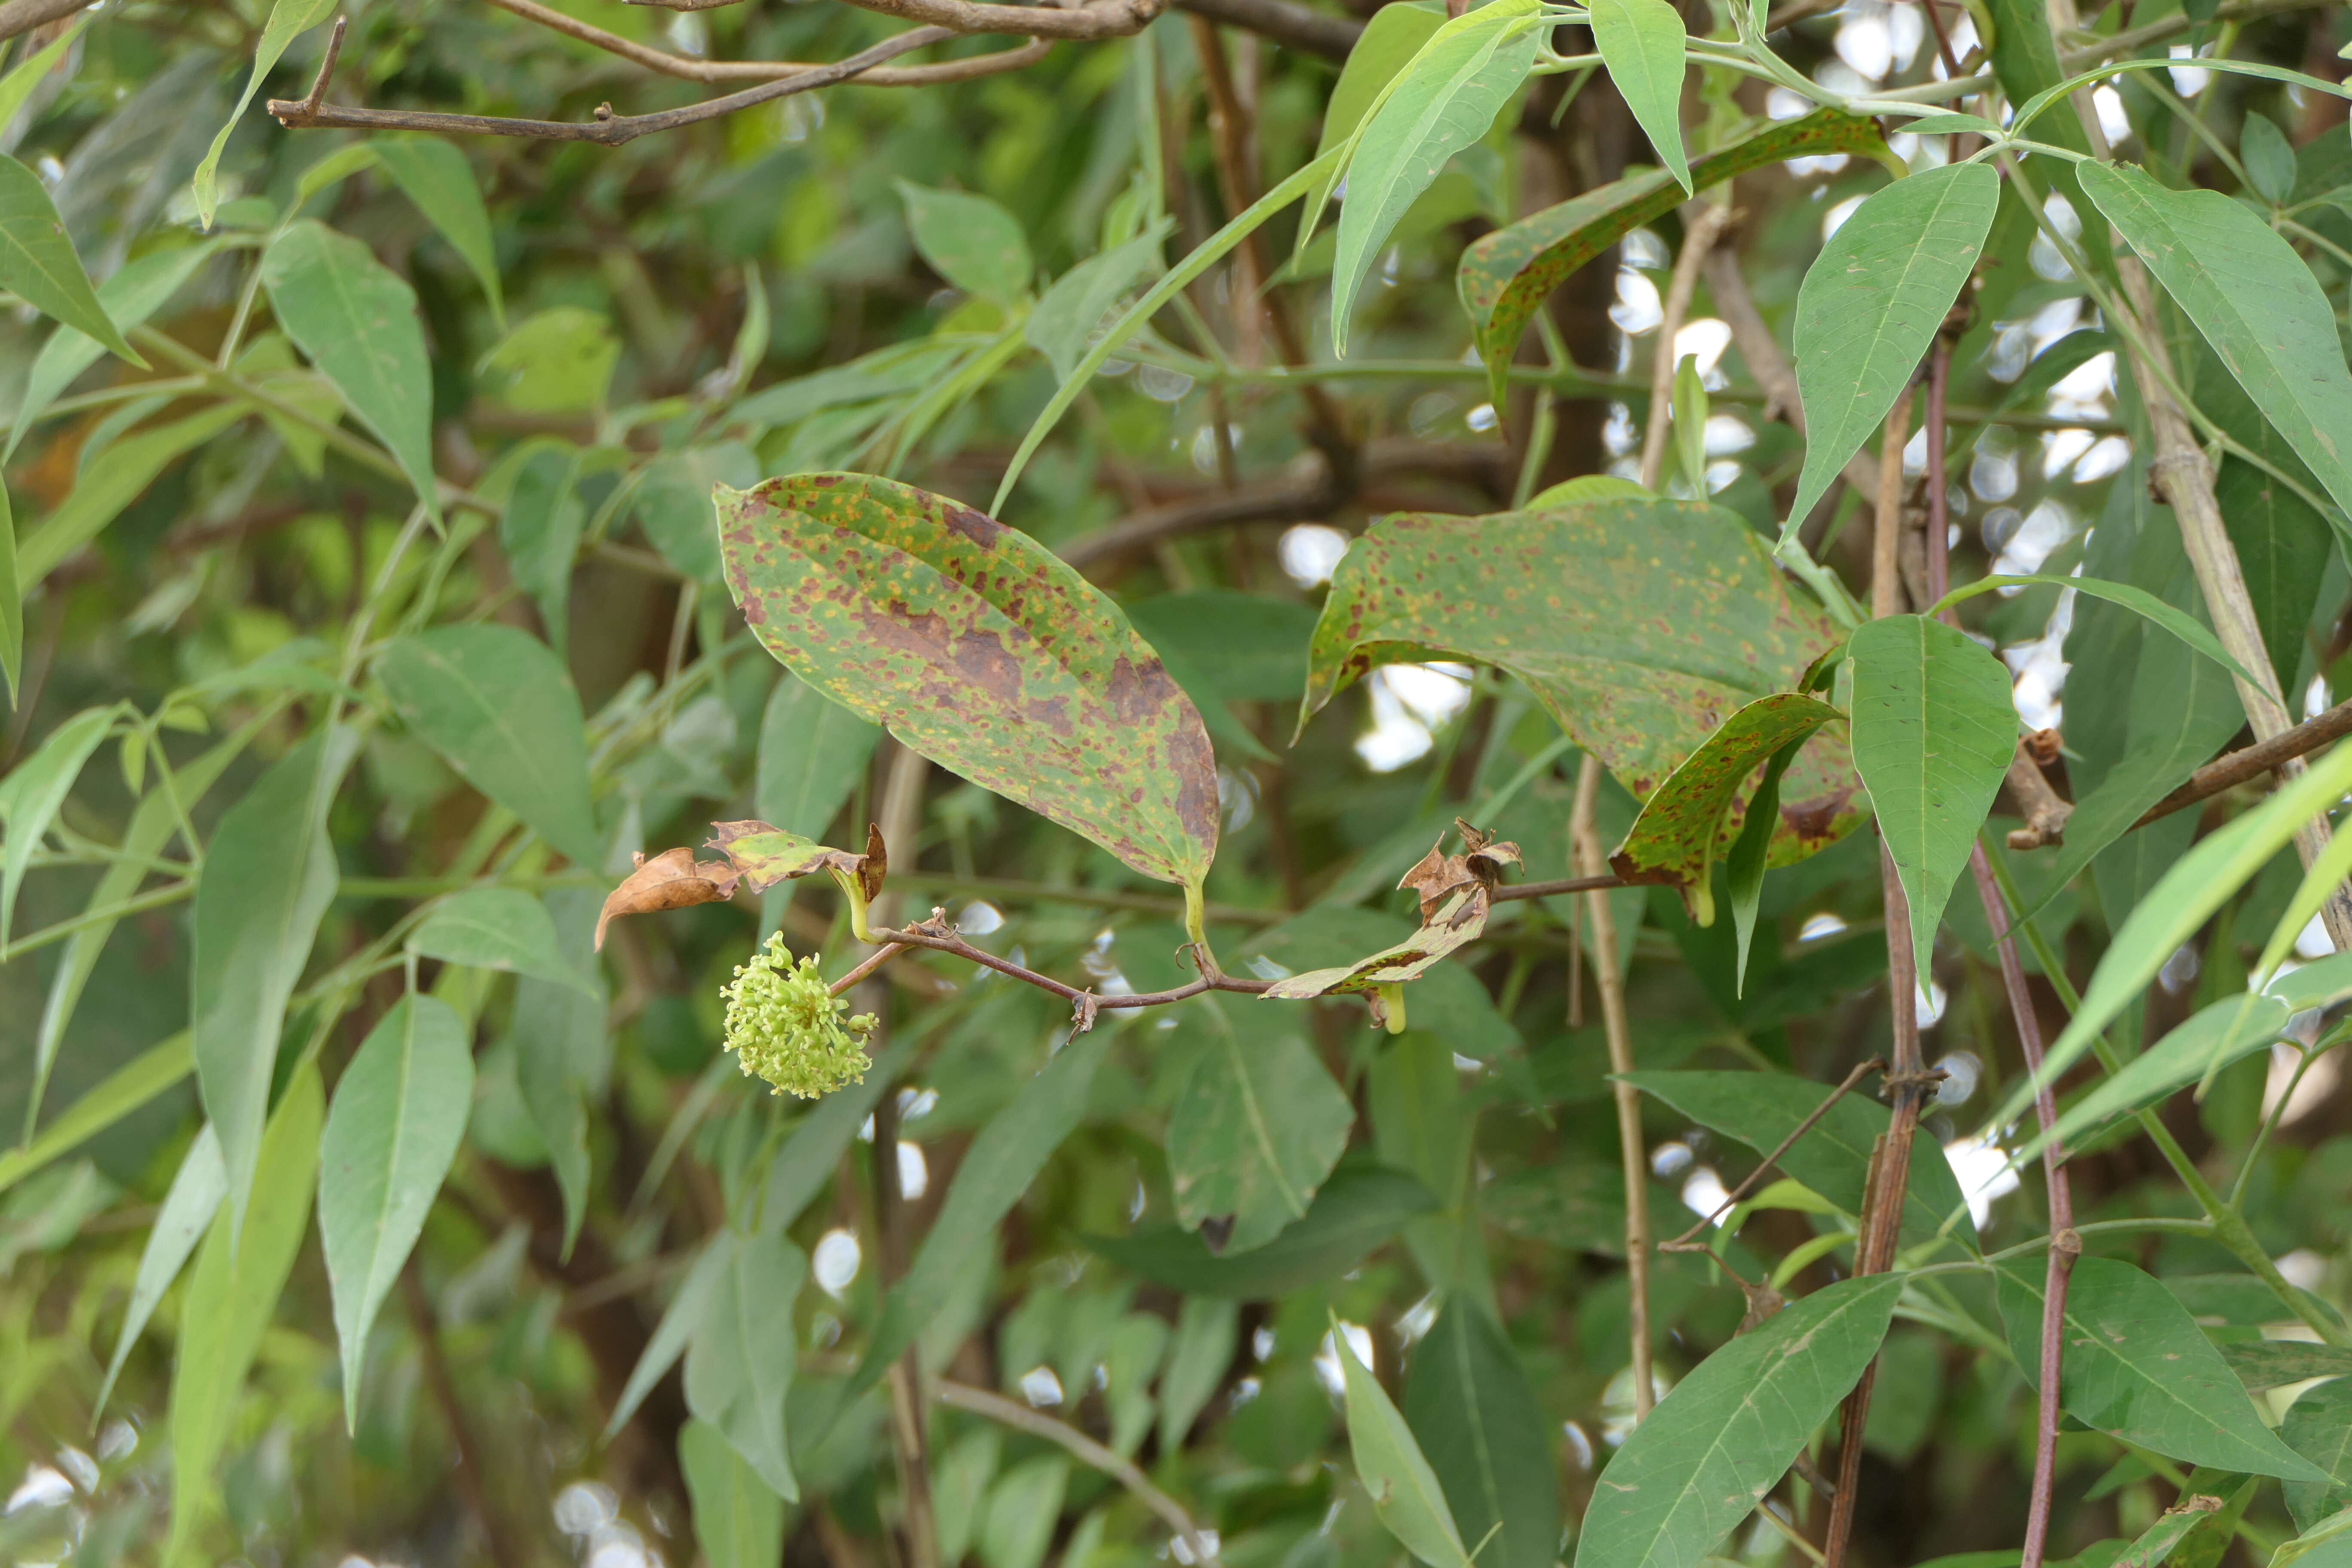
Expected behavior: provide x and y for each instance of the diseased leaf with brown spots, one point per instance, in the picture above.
(1507, 274)
(1641, 625)
(1692, 818)
(977, 647)
(1437, 876)
(765, 856)
(1456, 924)
(670, 880)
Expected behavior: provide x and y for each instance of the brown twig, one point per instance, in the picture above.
(1684, 1242)
(709, 72)
(1584, 839)
(24, 16)
(1294, 25)
(1699, 238)
(2251, 762)
(1559, 885)
(2046, 813)
(1886, 544)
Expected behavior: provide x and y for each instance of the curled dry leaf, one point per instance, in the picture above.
(764, 856)
(672, 880)
(1438, 875)
(1454, 924)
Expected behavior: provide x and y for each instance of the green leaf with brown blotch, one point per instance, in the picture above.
(1453, 926)
(1697, 814)
(764, 856)
(1507, 275)
(978, 647)
(1642, 626)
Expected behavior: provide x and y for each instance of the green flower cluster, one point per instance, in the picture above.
(786, 1027)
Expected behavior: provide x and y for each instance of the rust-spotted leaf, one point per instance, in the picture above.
(1642, 626)
(1507, 274)
(1696, 814)
(978, 647)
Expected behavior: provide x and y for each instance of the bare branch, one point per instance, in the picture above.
(1104, 19)
(1284, 23)
(2227, 772)
(24, 16)
(688, 69)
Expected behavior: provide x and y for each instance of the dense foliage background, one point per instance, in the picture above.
(248, 791)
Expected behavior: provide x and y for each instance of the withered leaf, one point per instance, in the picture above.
(1453, 925)
(764, 856)
(1438, 875)
(672, 880)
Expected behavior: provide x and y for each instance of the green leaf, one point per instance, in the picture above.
(1476, 1418)
(1005, 1157)
(1640, 42)
(102, 491)
(188, 1208)
(1715, 1445)
(2268, 1363)
(563, 1050)
(35, 790)
(2217, 1036)
(738, 1521)
(2135, 1365)
(979, 648)
(288, 19)
(811, 1155)
(2179, 623)
(38, 263)
(2256, 303)
(1394, 35)
(26, 75)
(540, 530)
(435, 176)
(1198, 1354)
(1692, 818)
(1871, 303)
(2269, 158)
(743, 1355)
(2198, 884)
(1359, 1207)
(12, 599)
(1546, 594)
(496, 928)
(2328, 1544)
(2316, 985)
(233, 1294)
(398, 1117)
(1023, 1508)
(501, 709)
(1749, 857)
(1935, 726)
(1833, 1159)
(674, 503)
(1244, 648)
(559, 361)
(1071, 310)
(1951, 124)
(1504, 277)
(1446, 99)
(1404, 1491)
(354, 319)
(123, 1092)
(139, 288)
(269, 874)
(680, 1321)
(2318, 1425)
(960, 1490)
(1257, 1125)
(968, 240)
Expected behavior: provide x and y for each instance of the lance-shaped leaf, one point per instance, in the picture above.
(38, 263)
(499, 708)
(496, 928)
(137, 290)
(105, 489)
(1698, 811)
(31, 796)
(672, 880)
(356, 320)
(188, 1208)
(1640, 42)
(1506, 276)
(738, 1522)
(288, 19)
(1933, 728)
(399, 1115)
(1727, 1434)
(1870, 304)
(743, 1356)
(1440, 103)
(977, 647)
(2178, 622)
(2268, 1363)
(2220, 1034)
(1391, 1464)
(1388, 44)
(1642, 626)
(2135, 1365)
(1470, 1403)
(2256, 303)
(435, 176)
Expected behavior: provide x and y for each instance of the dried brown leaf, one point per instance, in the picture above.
(672, 880)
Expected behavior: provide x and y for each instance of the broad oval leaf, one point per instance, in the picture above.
(741, 1365)
(1441, 102)
(973, 643)
(355, 318)
(1699, 810)
(2135, 1365)
(1389, 1462)
(499, 708)
(1506, 276)
(1641, 625)
(38, 263)
(1476, 1416)
(739, 1520)
(1640, 42)
(1832, 1159)
(1728, 1433)
(1871, 303)
(496, 928)
(398, 1117)
(232, 1295)
(1257, 1125)
(435, 175)
(2256, 303)
(968, 240)
(1935, 726)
